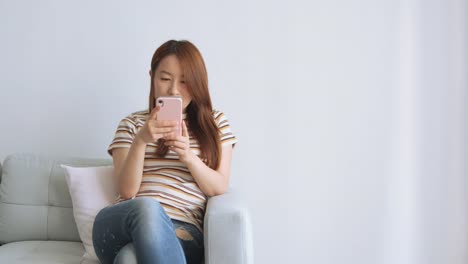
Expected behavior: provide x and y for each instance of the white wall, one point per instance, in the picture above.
(350, 120)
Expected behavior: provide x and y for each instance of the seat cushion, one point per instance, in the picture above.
(35, 202)
(50, 252)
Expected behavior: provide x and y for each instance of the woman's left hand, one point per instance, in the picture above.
(180, 144)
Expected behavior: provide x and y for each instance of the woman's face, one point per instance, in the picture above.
(169, 80)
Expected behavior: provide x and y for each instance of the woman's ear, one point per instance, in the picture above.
(150, 73)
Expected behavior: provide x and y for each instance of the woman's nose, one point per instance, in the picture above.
(173, 90)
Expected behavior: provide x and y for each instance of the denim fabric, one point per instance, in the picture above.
(140, 229)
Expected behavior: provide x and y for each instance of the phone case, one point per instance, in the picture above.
(170, 109)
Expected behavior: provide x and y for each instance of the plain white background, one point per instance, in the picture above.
(350, 115)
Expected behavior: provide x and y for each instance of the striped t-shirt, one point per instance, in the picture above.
(167, 179)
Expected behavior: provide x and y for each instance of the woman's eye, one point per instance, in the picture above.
(165, 79)
(182, 81)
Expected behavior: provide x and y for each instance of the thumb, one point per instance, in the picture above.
(154, 113)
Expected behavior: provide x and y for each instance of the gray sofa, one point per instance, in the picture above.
(37, 224)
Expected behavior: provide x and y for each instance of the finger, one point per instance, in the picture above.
(170, 136)
(154, 112)
(161, 130)
(175, 144)
(184, 129)
(173, 136)
(165, 123)
(179, 151)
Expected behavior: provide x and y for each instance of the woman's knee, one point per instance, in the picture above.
(146, 208)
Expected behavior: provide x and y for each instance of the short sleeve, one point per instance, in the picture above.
(124, 135)
(226, 134)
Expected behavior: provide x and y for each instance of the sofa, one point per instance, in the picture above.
(37, 223)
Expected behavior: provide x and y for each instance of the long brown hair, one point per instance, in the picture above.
(200, 120)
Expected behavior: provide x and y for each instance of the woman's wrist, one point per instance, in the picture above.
(190, 158)
(139, 141)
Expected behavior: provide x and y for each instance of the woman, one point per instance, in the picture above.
(163, 179)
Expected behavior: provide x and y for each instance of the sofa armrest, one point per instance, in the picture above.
(227, 231)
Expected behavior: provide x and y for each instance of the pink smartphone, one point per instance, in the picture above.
(170, 108)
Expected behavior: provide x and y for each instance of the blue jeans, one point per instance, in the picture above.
(139, 230)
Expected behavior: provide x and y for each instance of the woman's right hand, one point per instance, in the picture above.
(154, 129)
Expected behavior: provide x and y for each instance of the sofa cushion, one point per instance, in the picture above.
(35, 203)
(45, 252)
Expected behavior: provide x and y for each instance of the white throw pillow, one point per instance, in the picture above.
(91, 189)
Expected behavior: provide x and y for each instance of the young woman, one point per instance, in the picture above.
(163, 179)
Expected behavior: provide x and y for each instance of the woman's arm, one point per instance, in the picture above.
(128, 164)
(211, 182)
